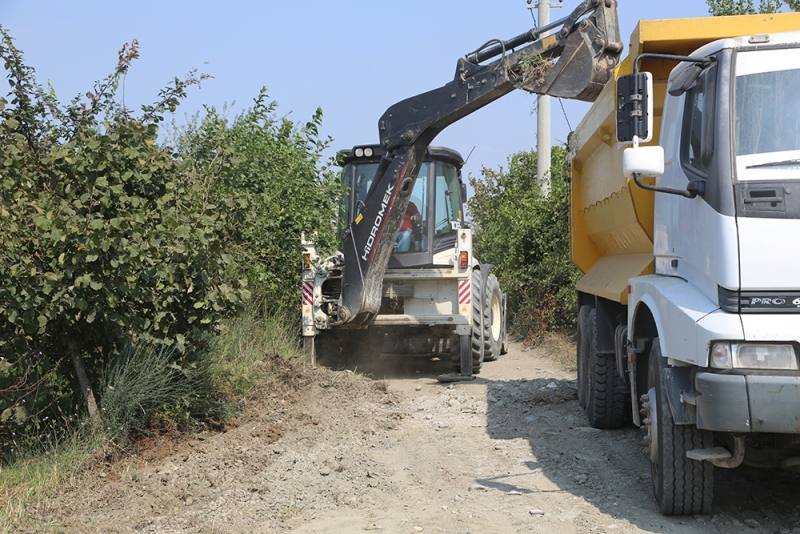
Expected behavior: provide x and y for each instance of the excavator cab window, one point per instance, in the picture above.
(356, 178)
(413, 235)
(435, 204)
(364, 173)
(448, 199)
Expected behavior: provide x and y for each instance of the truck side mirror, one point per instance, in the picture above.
(685, 79)
(646, 161)
(463, 188)
(635, 107)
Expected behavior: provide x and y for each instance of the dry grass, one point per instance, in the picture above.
(28, 482)
(249, 358)
(558, 348)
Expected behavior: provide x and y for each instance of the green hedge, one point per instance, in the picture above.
(526, 236)
(112, 238)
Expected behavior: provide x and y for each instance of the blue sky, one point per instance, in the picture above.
(352, 58)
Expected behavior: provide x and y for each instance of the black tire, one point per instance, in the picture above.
(495, 325)
(455, 353)
(605, 404)
(481, 342)
(682, 486)
(582, 357)
(605, 391)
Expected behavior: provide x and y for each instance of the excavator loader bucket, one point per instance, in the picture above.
(586, 63)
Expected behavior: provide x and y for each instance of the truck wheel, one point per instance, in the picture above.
(480, 316)
(605, 403)
(494, 324)
(601, 391)
(682, 486)
(582, 357)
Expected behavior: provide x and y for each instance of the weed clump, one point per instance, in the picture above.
(533, 69)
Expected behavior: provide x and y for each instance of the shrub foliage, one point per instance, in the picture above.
(746, 7)
(277, 168)
(526, 236)
(112, 240)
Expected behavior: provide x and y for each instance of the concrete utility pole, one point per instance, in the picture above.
(543, 110)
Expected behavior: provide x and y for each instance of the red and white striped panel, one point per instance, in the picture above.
(464, 292)
(308, 293)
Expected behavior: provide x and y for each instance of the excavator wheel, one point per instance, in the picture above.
(460, 346)
(481, 342)
(493, 304)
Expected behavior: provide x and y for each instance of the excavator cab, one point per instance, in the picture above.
(435, 209)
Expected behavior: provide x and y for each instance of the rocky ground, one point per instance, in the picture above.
(395, 451)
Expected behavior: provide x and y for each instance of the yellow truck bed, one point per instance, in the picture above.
(611, 219)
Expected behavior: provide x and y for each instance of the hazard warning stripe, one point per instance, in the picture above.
(464, 292)
(308, 293)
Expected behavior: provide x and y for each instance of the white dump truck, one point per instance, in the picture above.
(686, 225)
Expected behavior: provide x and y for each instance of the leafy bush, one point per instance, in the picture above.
(112, 240)
(107, 236)
(277, 167)
(526, 237)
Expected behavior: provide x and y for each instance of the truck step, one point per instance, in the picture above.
(717, 453)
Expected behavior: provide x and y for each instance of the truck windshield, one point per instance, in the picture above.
(767, 114)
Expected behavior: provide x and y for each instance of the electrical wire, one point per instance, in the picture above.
(535, 24)
(564, 111)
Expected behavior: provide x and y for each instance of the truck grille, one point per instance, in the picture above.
(759, 301)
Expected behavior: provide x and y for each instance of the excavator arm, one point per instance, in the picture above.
(574, 62)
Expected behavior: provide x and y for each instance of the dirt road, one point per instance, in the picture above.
(400, 453)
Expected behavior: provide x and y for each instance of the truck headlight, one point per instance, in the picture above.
(721, 356)
(774, 356)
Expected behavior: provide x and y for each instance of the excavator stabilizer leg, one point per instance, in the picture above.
(466, 363)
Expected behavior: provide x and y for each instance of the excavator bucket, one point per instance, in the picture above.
(586, 62)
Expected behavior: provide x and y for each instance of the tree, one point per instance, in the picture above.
(746, 7)
(526, 237)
